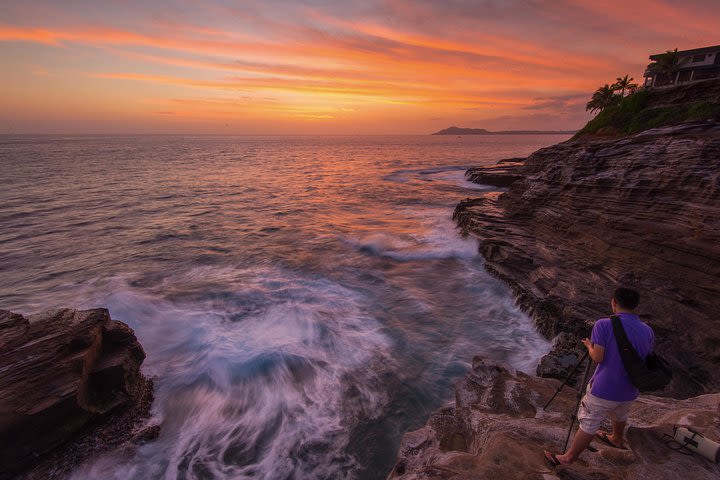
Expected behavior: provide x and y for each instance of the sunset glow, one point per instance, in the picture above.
(283, 67)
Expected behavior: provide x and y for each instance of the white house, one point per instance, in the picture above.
(693, 65)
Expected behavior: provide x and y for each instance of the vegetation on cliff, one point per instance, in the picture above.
(646, 109)
(609, 95)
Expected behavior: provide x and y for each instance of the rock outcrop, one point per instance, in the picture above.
(504, 174)
(498, 430)
(585, 216)
(70, 386)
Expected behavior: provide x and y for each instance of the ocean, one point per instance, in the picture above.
(303, 301)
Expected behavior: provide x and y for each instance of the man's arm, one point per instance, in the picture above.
(596, 352)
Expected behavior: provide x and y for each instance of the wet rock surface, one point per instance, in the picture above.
(498, 429)
(586, 216)
(70, 388)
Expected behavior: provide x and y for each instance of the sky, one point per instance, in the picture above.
(326, 66)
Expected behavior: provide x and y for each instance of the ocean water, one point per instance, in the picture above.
(303, 301)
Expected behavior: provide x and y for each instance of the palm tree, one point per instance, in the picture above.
(602, 98)
(624, 84)
(666, 64)
(594, 104)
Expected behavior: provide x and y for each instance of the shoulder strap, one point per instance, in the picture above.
(620, 335)
(628, 354)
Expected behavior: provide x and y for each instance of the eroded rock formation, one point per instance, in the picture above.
(501, 175)
(498, 430)
(585, 216)
(65, 375)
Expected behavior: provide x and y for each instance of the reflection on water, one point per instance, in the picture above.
(302, 301)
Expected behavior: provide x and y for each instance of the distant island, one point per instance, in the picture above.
(482, 131)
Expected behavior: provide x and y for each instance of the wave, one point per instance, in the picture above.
(407, 174)
(451, 175)
(436, 238)
(270, 390)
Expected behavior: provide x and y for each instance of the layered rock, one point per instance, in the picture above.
(67, 377)
(586, 216)
(501, 175)
(498, 429)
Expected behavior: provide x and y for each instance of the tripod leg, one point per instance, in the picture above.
(567, 439)
(580, 394)
(572, 372)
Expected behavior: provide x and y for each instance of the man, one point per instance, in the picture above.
(610, 391)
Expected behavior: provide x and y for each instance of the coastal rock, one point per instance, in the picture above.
(501, 175)
(586, 216)
(564, 357)
(68, 378)
(498, 429)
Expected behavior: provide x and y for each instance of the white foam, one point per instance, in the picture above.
(261, 397)
(458, 178)
(437, 238)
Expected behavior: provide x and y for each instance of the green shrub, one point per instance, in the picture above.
(702, 110)
(654, 117)
(619, 115)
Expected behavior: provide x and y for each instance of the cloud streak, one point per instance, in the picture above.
(370, 62)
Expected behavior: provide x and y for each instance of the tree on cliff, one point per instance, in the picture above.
(602, 98)
(665, 65)
(624, 84)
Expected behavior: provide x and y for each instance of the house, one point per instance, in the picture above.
(692, 66)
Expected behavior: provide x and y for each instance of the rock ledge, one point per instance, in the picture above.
(497, 430)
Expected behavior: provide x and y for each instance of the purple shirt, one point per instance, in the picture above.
(611, 381)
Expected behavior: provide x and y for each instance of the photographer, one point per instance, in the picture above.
(610, 392)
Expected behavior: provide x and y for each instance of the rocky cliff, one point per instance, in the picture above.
(586, 216)
(576, 220)
(70, 387)
(497, 429)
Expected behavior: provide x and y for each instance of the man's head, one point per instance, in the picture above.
(624, 299)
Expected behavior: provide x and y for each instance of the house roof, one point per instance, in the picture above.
(694, 51)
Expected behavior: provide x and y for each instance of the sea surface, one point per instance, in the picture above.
(303, 301)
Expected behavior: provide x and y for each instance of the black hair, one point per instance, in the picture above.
(626, 298)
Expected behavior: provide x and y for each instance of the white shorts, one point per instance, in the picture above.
(594, 410)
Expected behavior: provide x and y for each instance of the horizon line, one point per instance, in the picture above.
(490, 132)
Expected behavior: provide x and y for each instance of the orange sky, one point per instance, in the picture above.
(290, 67)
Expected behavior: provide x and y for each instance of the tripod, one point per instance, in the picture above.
(580, 393)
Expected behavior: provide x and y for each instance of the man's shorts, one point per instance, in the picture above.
(594, 410)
